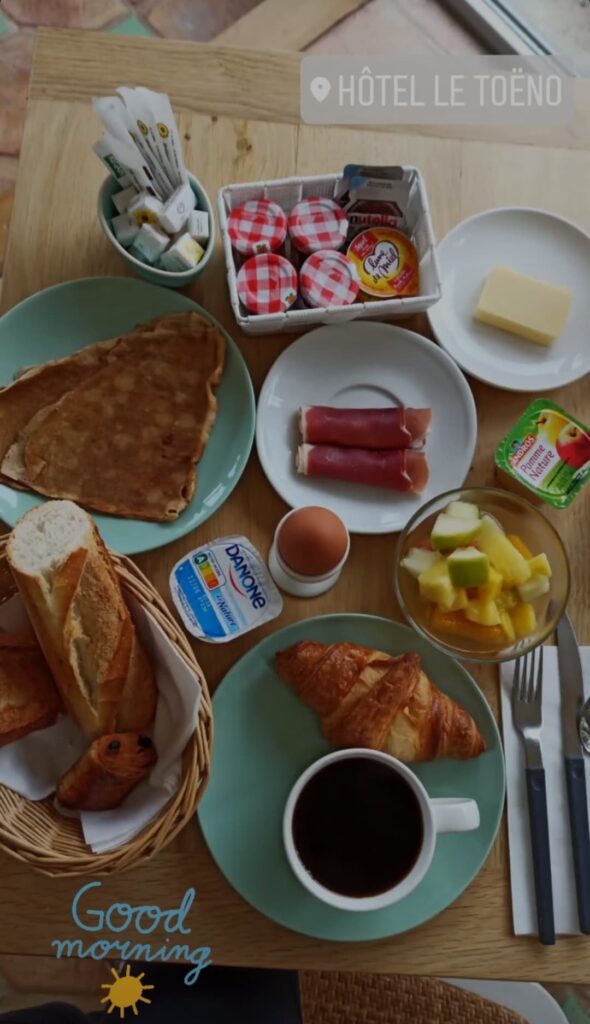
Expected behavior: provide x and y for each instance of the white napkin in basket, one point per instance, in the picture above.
(521, 864)
(33, 766)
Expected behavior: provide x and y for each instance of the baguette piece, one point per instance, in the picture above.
(28, 697)
(74, 601)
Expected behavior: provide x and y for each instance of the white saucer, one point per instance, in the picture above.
(528, 999)
(365, 365)
(534, 242)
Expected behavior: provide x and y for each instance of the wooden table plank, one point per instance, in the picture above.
(211, 79)
(284, 25)
(64, 241)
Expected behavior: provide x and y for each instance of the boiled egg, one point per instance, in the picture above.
(312, 541)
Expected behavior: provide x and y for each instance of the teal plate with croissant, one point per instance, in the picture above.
(59, 321)
(265, 737)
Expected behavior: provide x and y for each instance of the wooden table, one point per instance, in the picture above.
(238, 115)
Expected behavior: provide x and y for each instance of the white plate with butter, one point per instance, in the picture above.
(528, 241)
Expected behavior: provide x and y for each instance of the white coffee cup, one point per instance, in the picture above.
(439, 814)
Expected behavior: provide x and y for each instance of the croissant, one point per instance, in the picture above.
(366, 698)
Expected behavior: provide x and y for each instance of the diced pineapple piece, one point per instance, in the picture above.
(520, 545)
(507, 598)
(524, 619)
(418, 560)
(533, 589)
(507, 626)
(435, 585)
(461, 601)
(462, 510)
(540, 565)
(455, 624)
(493, 587)
(483, 611)
(502, 553)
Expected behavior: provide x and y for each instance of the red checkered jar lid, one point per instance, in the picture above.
(267, 283)
(328, 278)
(318, 223)
(258, 225)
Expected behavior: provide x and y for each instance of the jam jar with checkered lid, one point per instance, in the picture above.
(256, 226)
(267, 284)
(316, 223)
(328, 279)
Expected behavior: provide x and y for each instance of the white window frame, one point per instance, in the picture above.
(500, 28)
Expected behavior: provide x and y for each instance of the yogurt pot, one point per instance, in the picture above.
(297, 583)
(223, 590)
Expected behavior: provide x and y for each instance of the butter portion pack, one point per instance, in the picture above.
(548, 453)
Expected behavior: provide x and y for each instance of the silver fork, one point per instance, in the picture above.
(527, 695)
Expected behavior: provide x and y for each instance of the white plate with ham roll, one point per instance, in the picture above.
(367, 419)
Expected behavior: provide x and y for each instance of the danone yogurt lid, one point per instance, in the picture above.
(258, 225)
(328, 279)
(548, 453)
(267, 283)
(387, 263)
(318, 223)
(223, 589)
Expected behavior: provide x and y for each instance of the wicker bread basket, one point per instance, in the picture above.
(34, 832)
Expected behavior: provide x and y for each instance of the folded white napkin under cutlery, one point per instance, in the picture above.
(34, 765)
(552, 744)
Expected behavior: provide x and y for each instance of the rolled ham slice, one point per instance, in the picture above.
(400, 469)
(364, 428)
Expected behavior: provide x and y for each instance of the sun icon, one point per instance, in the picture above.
(125, 992)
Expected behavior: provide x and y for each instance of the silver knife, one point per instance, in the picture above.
(572, 700)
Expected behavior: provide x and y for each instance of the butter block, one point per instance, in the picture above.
(175, 213)
(122, 199)
(198, 225)
(524, 305)
(183, 254)
(146, 209)
(125, 228)
(149, 244)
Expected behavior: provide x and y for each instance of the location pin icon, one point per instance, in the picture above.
(320, 88)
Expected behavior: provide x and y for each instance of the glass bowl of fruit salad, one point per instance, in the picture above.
(482, 574)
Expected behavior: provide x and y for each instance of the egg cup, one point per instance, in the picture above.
(295, 583)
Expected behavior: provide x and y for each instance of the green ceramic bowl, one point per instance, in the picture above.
(168, 278)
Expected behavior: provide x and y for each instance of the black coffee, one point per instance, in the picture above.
(357, 827)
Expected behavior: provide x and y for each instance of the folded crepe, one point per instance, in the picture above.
(125, 439)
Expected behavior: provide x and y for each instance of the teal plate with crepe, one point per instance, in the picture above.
(265, 737)
(60, 320)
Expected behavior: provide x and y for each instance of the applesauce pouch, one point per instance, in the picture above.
(548, 453)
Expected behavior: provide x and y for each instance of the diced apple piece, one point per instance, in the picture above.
(502, 553)
(483, 611)
(418, 561)
(468, 567)
(462, 510)
(435, 585)
(533, 589)
(524, 619)
(449, 532)
(540, 565)
(493, 587)
(455, 624)
(507, 626)
(520, 545)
